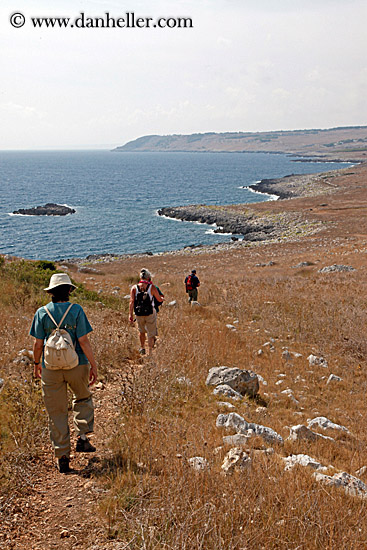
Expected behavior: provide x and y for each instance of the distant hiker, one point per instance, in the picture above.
(192, 283)
(142, 298)
(60, 330)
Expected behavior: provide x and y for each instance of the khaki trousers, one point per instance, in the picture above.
(55, 395)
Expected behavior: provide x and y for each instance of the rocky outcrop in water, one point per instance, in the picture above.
(49, 209)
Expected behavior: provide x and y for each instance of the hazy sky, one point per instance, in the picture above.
(246, 65)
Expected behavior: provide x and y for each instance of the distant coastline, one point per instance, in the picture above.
(341, 144)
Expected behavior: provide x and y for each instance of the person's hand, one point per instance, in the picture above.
(92, 375)
(131, 319)
(37, 370)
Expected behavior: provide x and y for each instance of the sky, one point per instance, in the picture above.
(245, 65)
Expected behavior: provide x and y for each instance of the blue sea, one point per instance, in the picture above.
(116, 197)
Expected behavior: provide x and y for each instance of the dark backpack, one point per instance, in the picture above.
(189, 285)
(142, 304)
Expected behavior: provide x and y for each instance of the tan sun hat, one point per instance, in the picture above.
(59, 279)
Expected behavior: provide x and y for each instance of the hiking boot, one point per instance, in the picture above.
(84, 446)
(142, 351)
(64, 467)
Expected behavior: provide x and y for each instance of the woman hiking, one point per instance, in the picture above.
(76, 368)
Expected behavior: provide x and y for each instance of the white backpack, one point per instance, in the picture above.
(59, 351)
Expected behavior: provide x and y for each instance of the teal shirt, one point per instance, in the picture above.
(76, 323)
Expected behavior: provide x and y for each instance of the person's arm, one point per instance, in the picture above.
(37, 354)
(156, 294)
(131, 304)
(87, 349)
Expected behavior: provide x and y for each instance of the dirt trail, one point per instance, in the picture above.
(60, 511)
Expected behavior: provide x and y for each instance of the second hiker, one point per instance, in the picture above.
(142, 298)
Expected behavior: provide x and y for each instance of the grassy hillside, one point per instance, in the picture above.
(147, 495)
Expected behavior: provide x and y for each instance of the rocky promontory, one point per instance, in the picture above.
(49, 209)
(251, 225)
(298, 185)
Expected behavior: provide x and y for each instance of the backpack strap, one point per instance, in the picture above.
(63, 317)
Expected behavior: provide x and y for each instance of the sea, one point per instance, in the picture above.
(116, 197)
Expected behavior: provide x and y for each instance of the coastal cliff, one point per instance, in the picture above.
(334, 143)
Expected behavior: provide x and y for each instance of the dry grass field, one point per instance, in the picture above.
(154, 414)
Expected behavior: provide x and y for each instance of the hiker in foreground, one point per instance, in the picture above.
(60, 330)
(142, 298)
(192, 283)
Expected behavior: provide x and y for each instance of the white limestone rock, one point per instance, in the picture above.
(238, 440)
(302, 460)
(198, 463)
(333, 378)
(240, 425)
(227, 391)
(242, 381)
(236, 460)
(326, 424)
(352, 485)
(301, 432)
(313, 360)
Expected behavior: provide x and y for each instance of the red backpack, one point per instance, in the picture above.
(189, 283)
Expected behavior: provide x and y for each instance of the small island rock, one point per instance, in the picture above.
(49, 209)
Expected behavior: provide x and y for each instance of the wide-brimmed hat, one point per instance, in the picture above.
(59, 279)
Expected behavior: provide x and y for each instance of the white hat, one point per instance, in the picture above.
(59, 279)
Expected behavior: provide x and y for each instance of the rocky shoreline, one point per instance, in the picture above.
(253, 226)
(248, 224)
(298, 185)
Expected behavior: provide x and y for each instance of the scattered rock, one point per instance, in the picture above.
(301, 432)
(261, 379)
(195, 304)
(231, 327)
(326, 424)
(239, 440)
(236, 460)
(303, 460)
(2, 382)
(361, 471)
(236, 422)
(198, 463)
(317, 361)
(336, 268)
(286, 355)
(333, 378)
(352, 485)
(242, 381)
(173, 303)
(227, 391)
